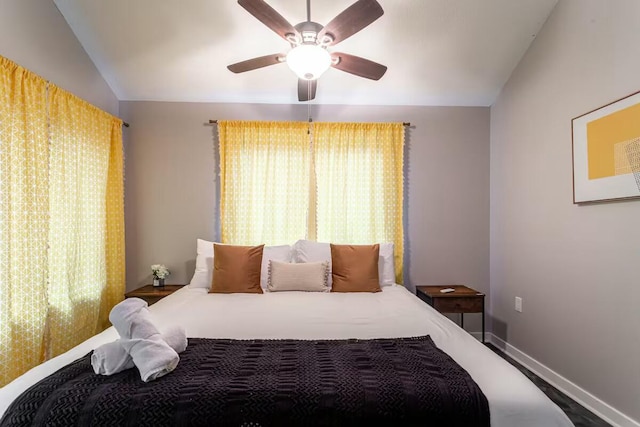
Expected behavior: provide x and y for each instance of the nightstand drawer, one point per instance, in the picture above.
(458, 305)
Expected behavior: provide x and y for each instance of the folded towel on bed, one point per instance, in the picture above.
(140, 338)
(111, 358)
(122, 316)
(152, 356)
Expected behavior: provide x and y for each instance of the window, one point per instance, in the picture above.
(61, 220)
(332, 182)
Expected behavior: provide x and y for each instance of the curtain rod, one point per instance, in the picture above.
(215, 122)
(125, 124)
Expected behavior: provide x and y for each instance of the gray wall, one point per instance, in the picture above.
(35, 35)
(576, 267)
(171, 188)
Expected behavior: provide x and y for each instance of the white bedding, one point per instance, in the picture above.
(514, 401)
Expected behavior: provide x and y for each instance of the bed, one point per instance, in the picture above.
(291, 322)
(393, 313)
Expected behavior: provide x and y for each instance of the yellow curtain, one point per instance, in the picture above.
(86, 232)
(114, 239)
(264, 181)
(359, 179)
(61, 220)
(24, 208)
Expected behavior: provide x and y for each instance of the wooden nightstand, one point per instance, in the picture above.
(152, 294)
(462, 300)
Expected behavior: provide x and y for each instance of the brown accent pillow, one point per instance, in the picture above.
(355, 268)
(236, 269)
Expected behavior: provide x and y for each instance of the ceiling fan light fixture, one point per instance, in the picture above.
(308, 61)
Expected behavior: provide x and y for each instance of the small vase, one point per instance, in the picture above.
(158, 283)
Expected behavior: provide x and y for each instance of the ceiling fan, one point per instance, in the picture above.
(309, 57)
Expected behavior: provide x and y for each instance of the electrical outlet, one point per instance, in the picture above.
(519, 304)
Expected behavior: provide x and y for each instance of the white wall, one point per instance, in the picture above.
(35, 35)
(171, 191)
(577, 268)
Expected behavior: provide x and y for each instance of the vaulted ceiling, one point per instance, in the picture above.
(438, 52)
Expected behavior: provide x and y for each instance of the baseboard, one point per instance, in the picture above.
(580, 395)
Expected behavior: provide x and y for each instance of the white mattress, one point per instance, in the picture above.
(395, 312)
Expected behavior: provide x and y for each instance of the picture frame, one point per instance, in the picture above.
(606, 152)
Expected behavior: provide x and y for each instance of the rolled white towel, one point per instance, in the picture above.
(141, 339)
(123, 314)
(152, 356)
(176, 337)
(111, 358)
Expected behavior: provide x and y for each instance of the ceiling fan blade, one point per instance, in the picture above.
(269, 17)
(351, 20)
(255, 63)
(307, 89)
(358, 66)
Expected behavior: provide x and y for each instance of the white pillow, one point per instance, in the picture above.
(203, 274)
(273, 253)
(309, 277)
(386, 265)
(310, 251)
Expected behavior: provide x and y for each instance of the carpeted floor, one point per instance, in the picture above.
(579, 415)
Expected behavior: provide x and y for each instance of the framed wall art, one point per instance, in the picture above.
(606, 152)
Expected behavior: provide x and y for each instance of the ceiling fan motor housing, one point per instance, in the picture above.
(309, 31)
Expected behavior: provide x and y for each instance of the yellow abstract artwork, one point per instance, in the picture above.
(606, 152)
(608, 139)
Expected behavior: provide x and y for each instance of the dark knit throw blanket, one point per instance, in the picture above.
(406, 381)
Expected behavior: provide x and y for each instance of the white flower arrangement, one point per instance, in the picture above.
(159, 271)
